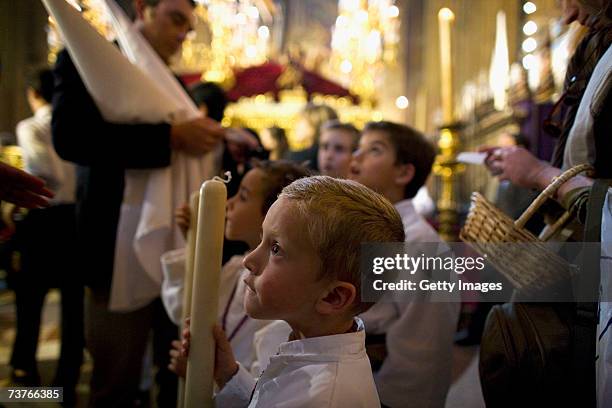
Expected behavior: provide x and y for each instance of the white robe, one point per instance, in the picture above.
(328, 371)
(419, 336)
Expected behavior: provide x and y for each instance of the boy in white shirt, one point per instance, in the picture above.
(306, 272)
(245, 213)
(396, 160)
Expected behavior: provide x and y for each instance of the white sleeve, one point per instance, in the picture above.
(417, 369)
(38, 155)
(173, 267)
(237, 392)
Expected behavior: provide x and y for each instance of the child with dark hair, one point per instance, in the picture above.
(395, 160)
(336, 145)
(43, 238)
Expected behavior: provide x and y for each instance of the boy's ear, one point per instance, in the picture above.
(404, 174)
(139, 7)
(338, 298)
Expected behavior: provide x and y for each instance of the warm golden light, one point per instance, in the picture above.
(446, 14)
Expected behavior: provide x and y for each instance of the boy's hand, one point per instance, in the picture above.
(183, 218)
(225, 362)
(178, 362)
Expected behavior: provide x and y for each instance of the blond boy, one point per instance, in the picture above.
(306, 272)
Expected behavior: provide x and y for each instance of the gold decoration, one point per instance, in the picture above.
(364, 39)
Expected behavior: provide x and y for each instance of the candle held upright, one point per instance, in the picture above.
(446, 166)
(205, 294)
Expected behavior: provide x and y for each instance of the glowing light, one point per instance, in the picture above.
(263, 32)
(446, 14)
(241, 18)
(402, 102)
(251, 51)
(362, 16)
(528, 61)
(530, 28)
(529, 45)
(393, 11)
(529, 7)
(346, 66)
(252, 12)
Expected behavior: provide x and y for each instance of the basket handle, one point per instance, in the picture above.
(549, 192)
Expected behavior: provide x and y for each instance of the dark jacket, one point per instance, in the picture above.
(102, 151)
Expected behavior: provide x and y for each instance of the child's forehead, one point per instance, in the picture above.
(284, 216)
(253, 179)
(376, 136)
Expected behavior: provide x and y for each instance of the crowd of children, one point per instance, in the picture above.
(292, 328)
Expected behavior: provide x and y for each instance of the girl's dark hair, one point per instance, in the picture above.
(41, 81)
(279, 135)
(211, 95)
(277, 175)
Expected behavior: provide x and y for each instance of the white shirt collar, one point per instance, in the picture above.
(43, 111)
(324, 347)
(406, 209)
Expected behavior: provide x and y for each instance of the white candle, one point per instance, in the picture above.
(205, 294)
(445, 18)
(194, 205)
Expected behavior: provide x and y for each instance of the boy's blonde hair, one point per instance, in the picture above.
(339, 216)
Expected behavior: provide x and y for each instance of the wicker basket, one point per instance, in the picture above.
(529, 267)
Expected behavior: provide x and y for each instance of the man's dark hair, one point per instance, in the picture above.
(335, 124)
(211, 95)
(411, 147)
(41, 81)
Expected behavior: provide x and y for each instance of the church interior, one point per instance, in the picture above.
(465, 76)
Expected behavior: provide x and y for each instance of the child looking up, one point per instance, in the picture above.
(396, 160)
(336, 146)
(245, 213)
(306, 272)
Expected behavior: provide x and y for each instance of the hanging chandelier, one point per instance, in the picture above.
(365, 38)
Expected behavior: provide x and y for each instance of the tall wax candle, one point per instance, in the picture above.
(445, 19)
(194, 204)
(205, 294)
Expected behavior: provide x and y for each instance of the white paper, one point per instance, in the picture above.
(471, 157)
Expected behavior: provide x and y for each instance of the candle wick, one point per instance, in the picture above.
(226, 180)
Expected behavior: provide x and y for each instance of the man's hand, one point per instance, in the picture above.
(517, 165)
(197, 136)
(183, 218)
(22, 189)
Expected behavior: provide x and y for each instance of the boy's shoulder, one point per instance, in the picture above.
(337, 384)
(327, 371)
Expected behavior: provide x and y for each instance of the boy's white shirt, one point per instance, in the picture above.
(419, 336)
(327, 371)
(232, 274)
